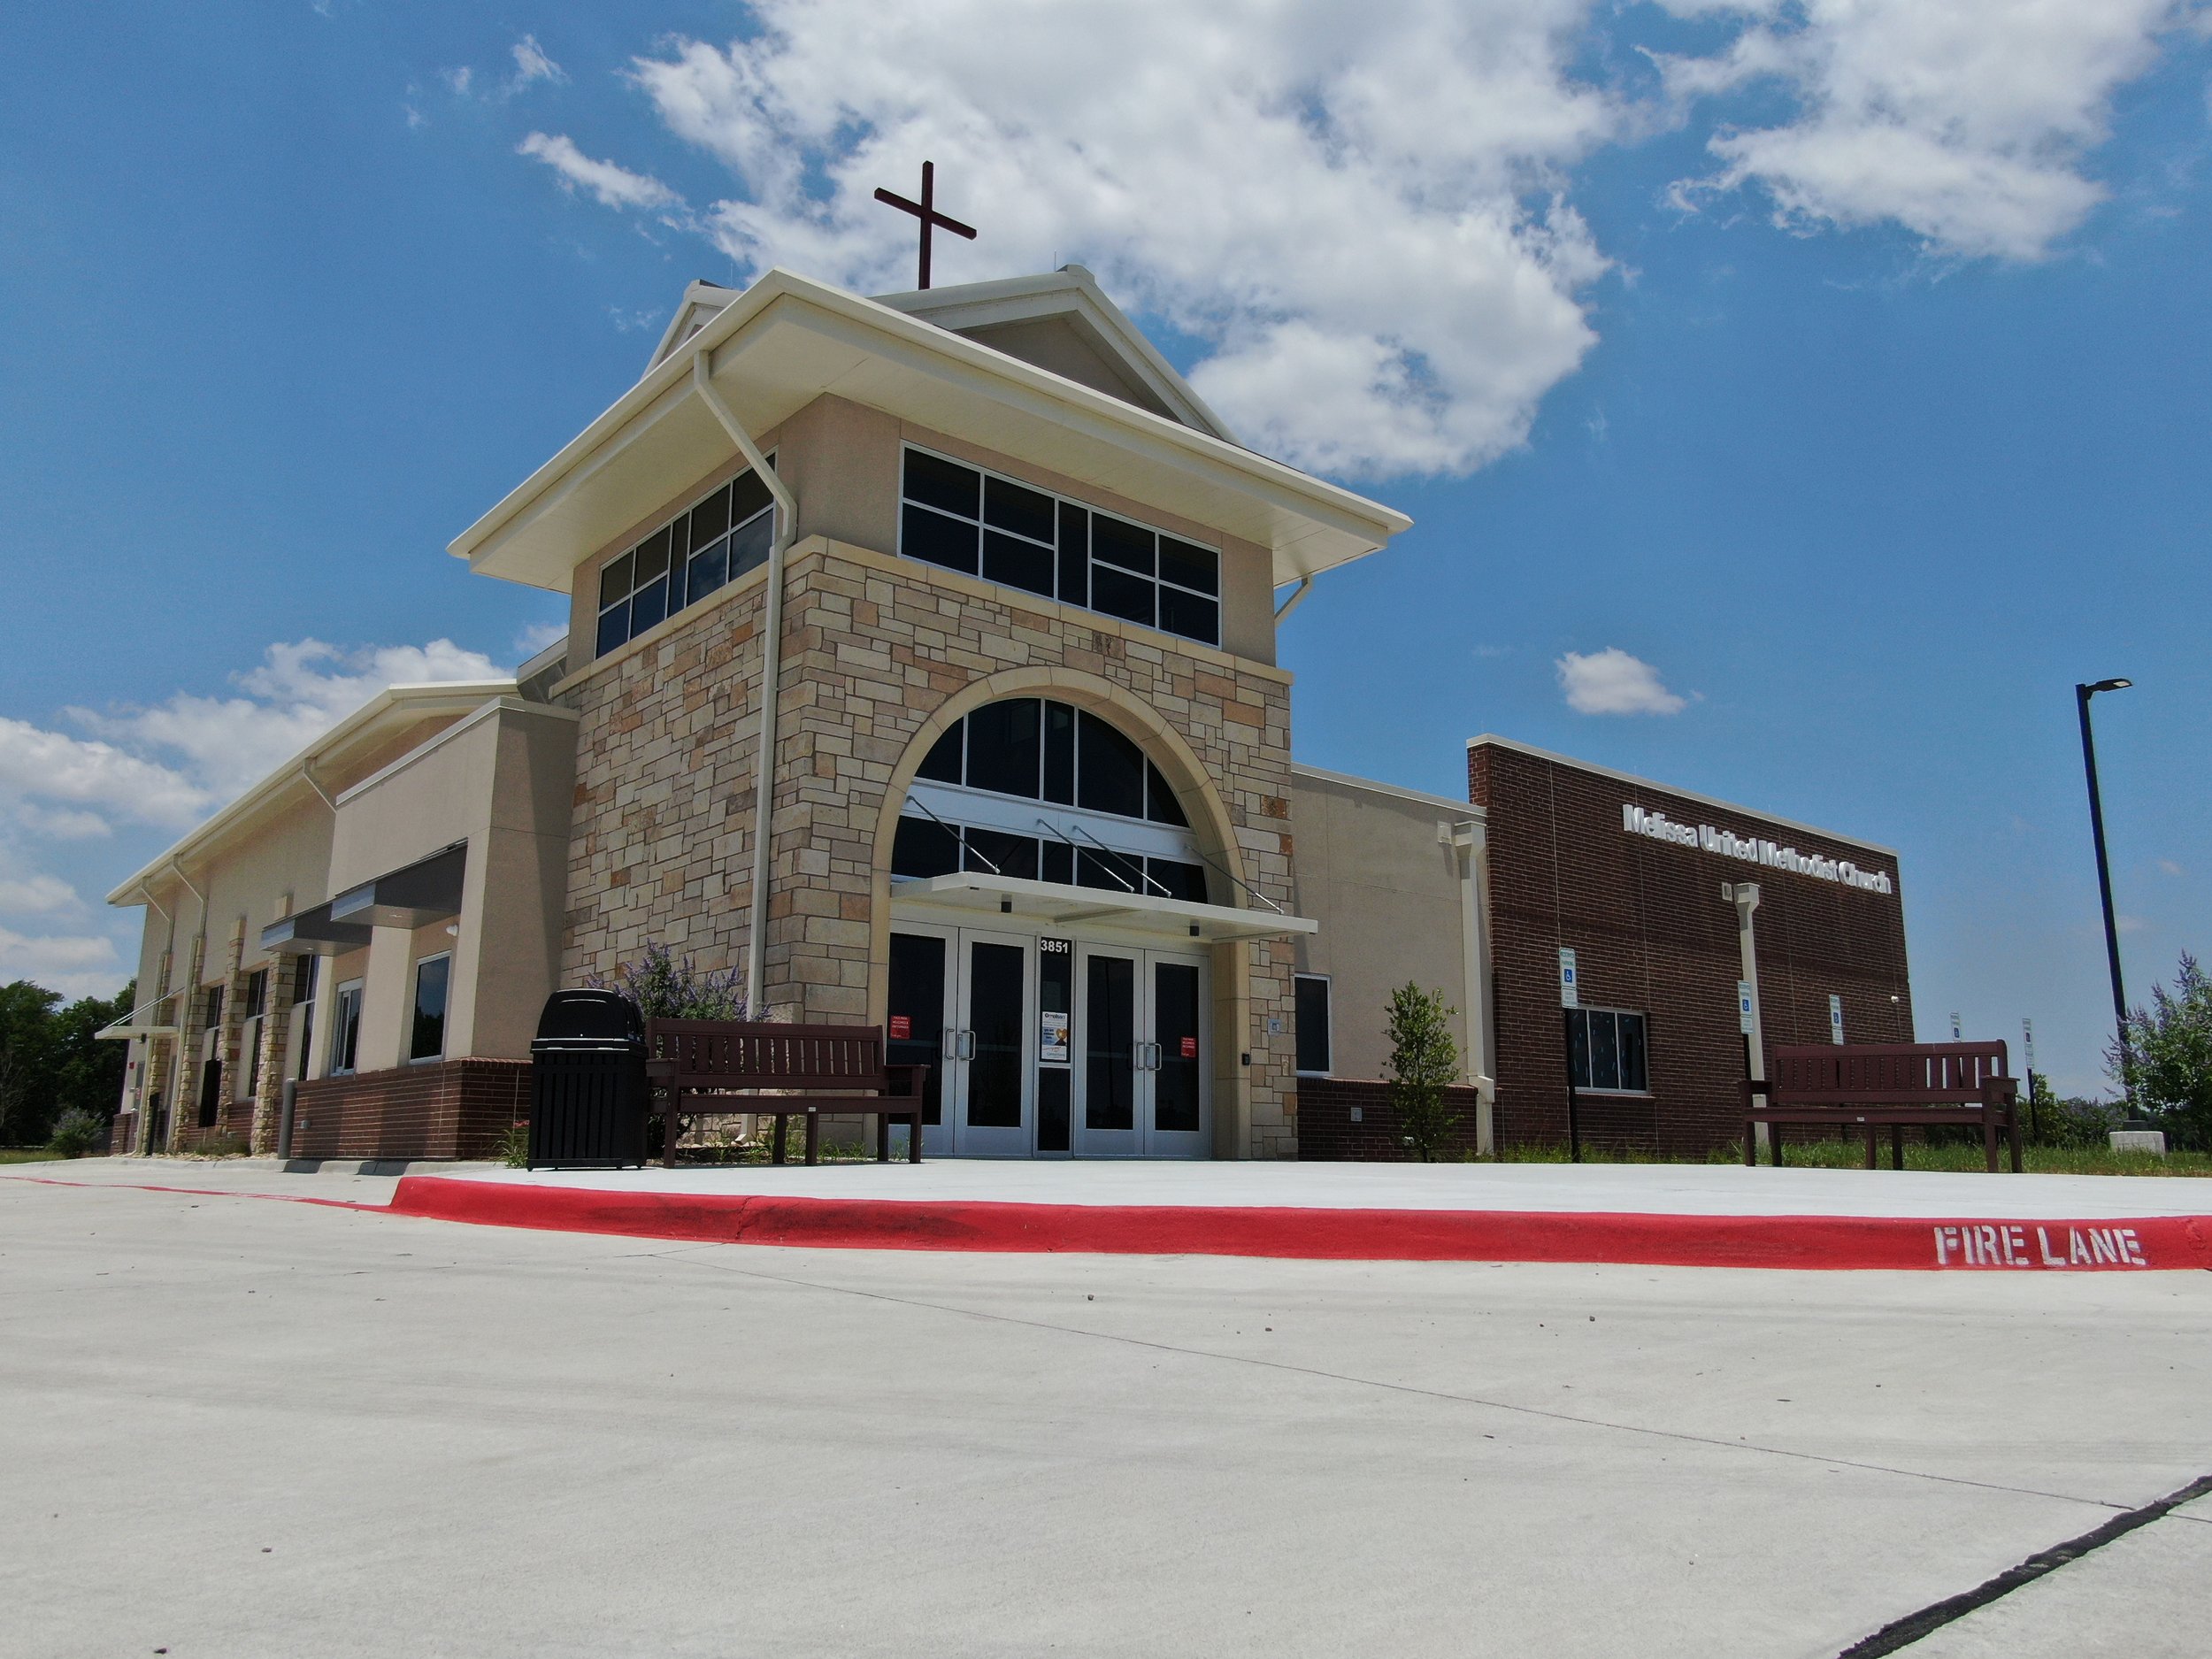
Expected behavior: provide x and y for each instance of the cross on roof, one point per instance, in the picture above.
(925, 210)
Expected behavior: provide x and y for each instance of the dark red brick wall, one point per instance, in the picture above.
(1326, 1130)
(122, 1133)
(1651, 933)
(452, 1109)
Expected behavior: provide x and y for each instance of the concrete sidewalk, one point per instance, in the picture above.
(247, 1429)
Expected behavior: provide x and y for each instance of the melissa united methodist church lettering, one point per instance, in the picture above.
(1659, 827)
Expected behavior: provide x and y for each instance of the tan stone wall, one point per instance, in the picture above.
(879, 655)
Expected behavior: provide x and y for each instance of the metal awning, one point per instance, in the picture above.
(414, 895)
(1141, 917)
(313, 932)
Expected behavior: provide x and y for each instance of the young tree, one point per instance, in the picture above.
(1424, 1059)
(2165, 1063)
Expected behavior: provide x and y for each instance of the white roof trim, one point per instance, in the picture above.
(1441, 802)
(1327, 526)
(405, 701)
(445, 735)
(1070, 292)
(1629, 778)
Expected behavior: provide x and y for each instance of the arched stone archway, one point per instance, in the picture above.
(1197, 792)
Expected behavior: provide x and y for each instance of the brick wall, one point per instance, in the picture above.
(1651, 933)
(1326, 1129)
(123, 1134)
(452, 1109)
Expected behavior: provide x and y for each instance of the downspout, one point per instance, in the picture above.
(1305, 585)
(770, 672)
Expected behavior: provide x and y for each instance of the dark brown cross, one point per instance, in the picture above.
(925, 210)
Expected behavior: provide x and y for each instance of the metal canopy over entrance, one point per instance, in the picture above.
(1140, 917)
(416, 895)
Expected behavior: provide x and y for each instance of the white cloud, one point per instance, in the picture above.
(36, 895)
(53, 766)
(1966, 122)
(1356, 213)
(537, 637)
(1359, 221)
(74, 964)
(2166, 866)
(1611, 682)
(615, 187)
(458, 80)
(300, 690)
(531, 63)
(60, 823)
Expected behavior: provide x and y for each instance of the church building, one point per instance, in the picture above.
(921, 669)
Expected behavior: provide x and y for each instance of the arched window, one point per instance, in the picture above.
(1038, 789)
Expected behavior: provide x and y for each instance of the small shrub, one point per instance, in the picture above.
(514, 1147)
(660, 987)
(78, 1133)
(1423, 1060)
(2070, 1122)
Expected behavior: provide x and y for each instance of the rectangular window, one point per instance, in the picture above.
(1314, 1055)
(965, 519)
(706, 546)
(1606, 1051)
(345, 1028)
(427, 1038)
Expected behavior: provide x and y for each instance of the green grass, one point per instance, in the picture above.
(1851, 1155)
(25, 1154)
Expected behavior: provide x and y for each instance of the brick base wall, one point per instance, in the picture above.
(1326, 1130)
(123, 1134)
(454, 1108)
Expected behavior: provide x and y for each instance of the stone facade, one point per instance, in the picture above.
(880, 654)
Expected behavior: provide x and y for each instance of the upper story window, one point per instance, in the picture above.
(1035, 788)
(708, 545)
(968, 520)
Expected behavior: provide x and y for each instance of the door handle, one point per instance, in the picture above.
(964, 1045)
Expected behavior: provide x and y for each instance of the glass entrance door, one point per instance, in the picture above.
(959, 1003)
(991, 1058)
(1144, 1085)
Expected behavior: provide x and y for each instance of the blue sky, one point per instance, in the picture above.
(1849, 371)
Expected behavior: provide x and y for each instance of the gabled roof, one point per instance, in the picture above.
(787, 340)
(1062, 321)
(701, 299)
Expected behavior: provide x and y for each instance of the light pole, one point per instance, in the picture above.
(2082, 693)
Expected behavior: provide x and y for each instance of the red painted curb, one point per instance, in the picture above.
(1403, 1235)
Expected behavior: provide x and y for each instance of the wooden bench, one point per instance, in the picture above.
(1866, 1085)
(709, 1067)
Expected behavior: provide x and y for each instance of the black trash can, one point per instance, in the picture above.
(587, 1088)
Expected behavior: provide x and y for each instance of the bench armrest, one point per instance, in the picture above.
(1754, 1087)
(907, 1081)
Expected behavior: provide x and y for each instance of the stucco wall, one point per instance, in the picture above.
(1368, 868)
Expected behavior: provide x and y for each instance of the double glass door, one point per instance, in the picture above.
(1049, 1046)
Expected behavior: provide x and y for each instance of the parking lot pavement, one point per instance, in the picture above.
(236, 1427)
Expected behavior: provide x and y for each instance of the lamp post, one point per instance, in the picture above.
(2082, 693)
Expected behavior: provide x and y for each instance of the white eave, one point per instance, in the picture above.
(389, 710)
(787, 340)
